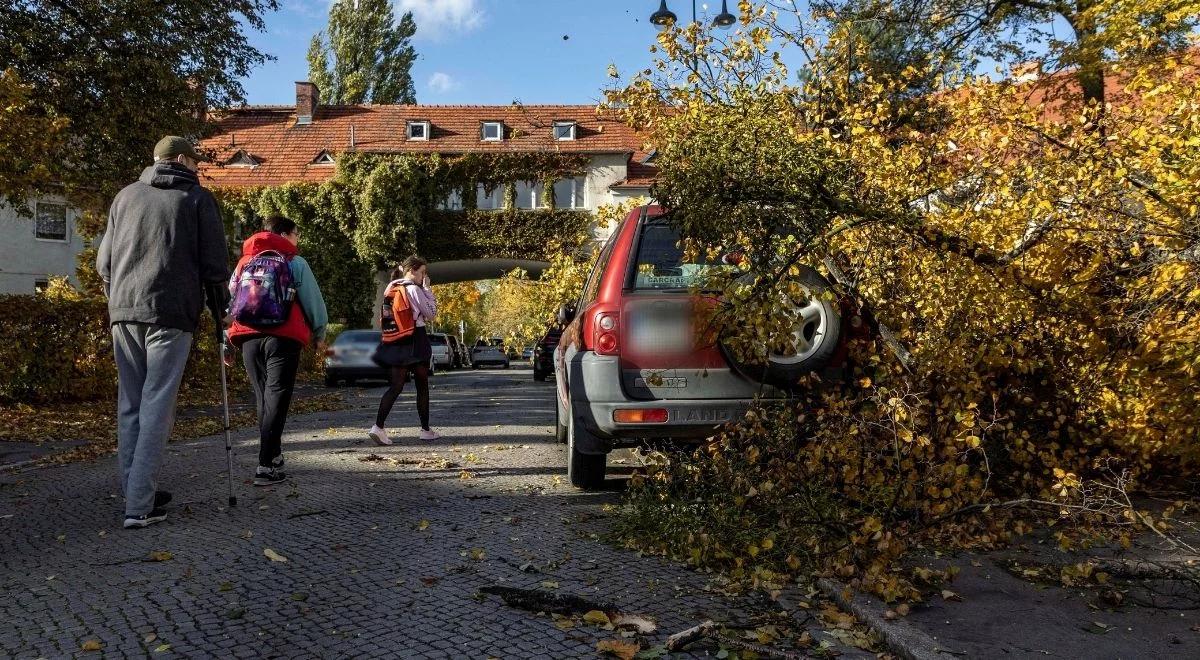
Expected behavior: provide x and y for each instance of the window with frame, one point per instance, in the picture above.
(50, 222)
(492, 131)
(528, 194)
(485, 201)
(564, 130)
(418, 130)
(452, 202)
(41, 284)
(568, 193)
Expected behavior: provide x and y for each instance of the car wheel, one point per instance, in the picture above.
(539, 376)
(560, 427)
(818, 330)
(351, 381)
(584, 471)
(330, 381)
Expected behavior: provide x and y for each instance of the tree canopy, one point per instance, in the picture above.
(98, 83)
(1034, 254)
(365, 54)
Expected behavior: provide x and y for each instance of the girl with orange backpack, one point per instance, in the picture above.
(408, 306)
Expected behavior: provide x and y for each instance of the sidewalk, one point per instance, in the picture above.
(1014, 604)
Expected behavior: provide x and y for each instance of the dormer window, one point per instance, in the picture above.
(418, 130)
(564, 130)
(242, 158)
(492, 131)
(324, 158)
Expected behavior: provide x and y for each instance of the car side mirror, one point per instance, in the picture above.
(566, 313)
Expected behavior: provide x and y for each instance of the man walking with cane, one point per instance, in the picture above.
(162, 254)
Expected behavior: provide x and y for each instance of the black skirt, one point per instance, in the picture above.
(412, 350)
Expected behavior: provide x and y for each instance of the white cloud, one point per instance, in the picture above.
(442, 82)
(439, 18)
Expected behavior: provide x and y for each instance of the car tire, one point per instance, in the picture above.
(539, 376)
(351, 381)
(560, 428)
(330, 381)
(823, 321)
(584, 471)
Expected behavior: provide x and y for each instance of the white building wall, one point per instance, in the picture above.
(603, 171)
(26, 259)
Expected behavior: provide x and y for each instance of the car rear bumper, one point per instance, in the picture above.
(335, 371)
(596, 395)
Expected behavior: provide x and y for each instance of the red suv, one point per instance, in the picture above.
(631, 367)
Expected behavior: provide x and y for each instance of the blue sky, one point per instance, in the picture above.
(484, 51)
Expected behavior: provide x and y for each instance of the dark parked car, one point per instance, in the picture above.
(543, 354)
(348, 358)
(631, 366)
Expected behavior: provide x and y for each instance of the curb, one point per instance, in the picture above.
(9, 467)
(904, 640)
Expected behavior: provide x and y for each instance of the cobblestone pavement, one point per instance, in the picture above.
(384, 557)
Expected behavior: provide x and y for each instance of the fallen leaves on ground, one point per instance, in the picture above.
(598, 618)
(91, 645)
(618, 648)
(160, 555)
(274, 556)
(94, 422)
(634, 622)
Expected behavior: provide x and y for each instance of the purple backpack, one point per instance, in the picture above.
(262, 292)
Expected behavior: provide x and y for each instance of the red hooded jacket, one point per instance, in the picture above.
(296, 326)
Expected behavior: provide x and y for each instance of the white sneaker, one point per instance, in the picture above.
(380, 436)
(429, 435)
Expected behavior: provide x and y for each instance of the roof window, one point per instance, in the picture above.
(242, 158)
(565, 130)
(492, 131)
(418, 130)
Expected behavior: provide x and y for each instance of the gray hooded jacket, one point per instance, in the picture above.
(164, 243)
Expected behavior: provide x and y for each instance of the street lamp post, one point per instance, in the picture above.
(665, 18)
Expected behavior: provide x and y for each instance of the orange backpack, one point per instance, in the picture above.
(396, 314)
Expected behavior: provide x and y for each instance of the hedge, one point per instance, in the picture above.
(58, 350)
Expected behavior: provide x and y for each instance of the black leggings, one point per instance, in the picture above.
(420, 373)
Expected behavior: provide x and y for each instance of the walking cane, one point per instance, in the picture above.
(225, 403)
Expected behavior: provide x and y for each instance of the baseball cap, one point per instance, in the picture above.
(173, 145)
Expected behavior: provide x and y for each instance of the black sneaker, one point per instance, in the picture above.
(146, 519)
(161, 498)
(268, 476)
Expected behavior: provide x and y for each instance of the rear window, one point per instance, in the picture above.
(661, 265)
(358, 337)
(437, 340)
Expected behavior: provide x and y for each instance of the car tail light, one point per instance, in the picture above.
(329, 352)
(640, 416)
(607, 333)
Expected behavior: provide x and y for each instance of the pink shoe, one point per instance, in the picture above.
(429, 435)
(380, 436)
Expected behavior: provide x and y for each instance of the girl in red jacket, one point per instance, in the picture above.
(272, 354)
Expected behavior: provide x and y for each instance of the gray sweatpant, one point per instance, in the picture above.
(150, 361)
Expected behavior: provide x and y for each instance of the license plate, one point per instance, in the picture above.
(670, 381)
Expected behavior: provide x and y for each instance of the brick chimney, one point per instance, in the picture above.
(307, 97)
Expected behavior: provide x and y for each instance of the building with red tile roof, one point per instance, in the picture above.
(272, 145)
